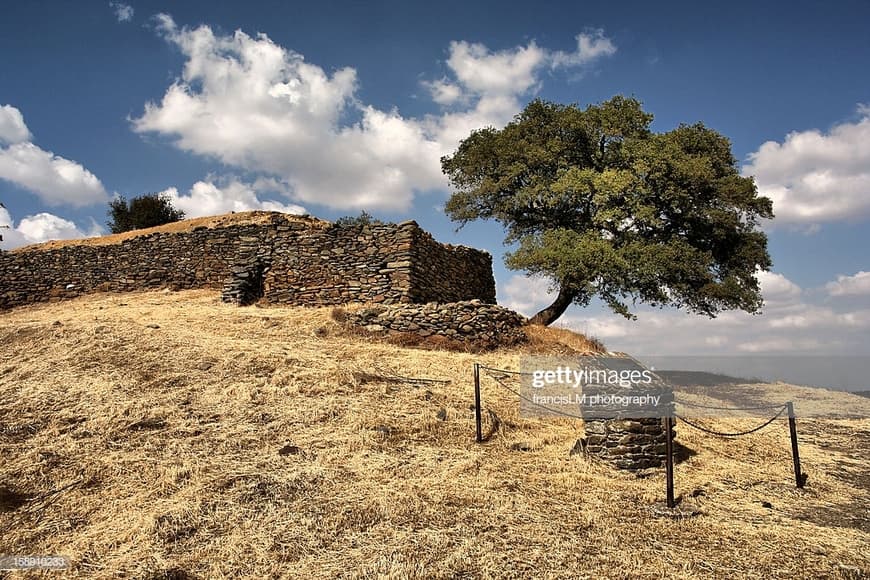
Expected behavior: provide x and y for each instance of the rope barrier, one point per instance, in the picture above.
(505, 371)
(699, 406)
(739, 434)
(530, 401)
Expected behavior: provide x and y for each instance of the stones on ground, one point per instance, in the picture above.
(289, 449)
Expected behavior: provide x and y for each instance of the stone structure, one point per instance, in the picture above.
(629, 437)
(627, 443)
(470, 322)
(285, 259)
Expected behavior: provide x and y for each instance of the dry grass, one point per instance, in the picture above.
(168, 435)
(218, 221)
(549, 340)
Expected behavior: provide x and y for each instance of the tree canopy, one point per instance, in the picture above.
(145, 211)
(602, 206)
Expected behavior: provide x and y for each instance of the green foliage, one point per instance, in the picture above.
(145, 211)
(363, 219)
(603, 206)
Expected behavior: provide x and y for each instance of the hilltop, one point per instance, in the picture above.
(169, 435)
(245, 218)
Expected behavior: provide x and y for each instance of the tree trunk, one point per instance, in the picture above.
(548, 315)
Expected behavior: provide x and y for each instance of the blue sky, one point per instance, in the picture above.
(335, 107)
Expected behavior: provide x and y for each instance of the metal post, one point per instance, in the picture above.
(792, 427)
(477, 402)
(669, 461)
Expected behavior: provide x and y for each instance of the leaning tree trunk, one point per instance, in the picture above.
(548, 315)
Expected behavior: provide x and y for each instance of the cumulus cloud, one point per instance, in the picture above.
(526, 295)
(791, 323)
(55, 179)
(123, 12)
(506, 72)
(592, 45)
(208, 198)
(857, 285)
(258, 106)
(12, 127)
(815, 177)
(39, 228)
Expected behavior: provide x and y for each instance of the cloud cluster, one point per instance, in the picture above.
(123, 12)
(815, 177)
(209, 198)
(54, 179)
(259, 107)
(39, 228)
(791, 321)
(857, 285)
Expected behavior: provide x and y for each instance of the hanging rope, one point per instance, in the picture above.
(505, 373)
(699, 406)
(739, 434)
(524, 398)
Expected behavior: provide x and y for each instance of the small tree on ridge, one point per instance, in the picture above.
(145, 211)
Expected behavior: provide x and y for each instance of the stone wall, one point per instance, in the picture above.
(471, 322)
(439, 271)
(630, 442)
(627, 443)
(285, 259)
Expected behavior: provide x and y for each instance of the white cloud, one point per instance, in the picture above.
(790, 323)
(507, 72)
(444, 92)
(12, 127)
(54, 179)
(815, 177)
(255, 105)
(206, 198)
(39, 228)
(526, 295)
(123, 12)
(592, 45)
(857, 285)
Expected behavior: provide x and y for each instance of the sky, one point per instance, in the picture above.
(331, 108)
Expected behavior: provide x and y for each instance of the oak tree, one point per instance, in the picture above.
(601, 205)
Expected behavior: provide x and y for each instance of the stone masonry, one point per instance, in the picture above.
(471, 322)
(285, 260)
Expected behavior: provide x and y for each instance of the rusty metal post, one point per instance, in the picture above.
(792, 427)
(669, 460)
(477, 402)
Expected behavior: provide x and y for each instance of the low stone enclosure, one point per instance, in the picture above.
(471, 323)
(280, 259)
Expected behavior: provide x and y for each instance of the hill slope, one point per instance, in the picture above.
(168, 435)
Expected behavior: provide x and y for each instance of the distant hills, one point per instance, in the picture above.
(703, 379)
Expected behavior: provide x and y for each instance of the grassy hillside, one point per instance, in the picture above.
(168, 435)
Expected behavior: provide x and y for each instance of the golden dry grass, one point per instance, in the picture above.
(168, 435)
(244, 218)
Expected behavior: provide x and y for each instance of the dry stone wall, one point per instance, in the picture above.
(286, 260)
(627, 443)
(471, 322)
